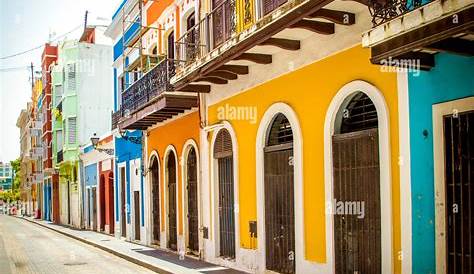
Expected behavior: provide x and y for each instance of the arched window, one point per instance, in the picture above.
(359, 114)
(280, 131)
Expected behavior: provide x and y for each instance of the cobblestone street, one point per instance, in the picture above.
(29, 248)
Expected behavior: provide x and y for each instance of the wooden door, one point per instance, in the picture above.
(136, 211)
(94, 208)
(459, 173)
(171, 45)
(172, 223)
(270, 5)
(123, 207)
(357, 234)
(155, 188)
(222, 21)
(102, 202)
(193, 213)
(279, 197)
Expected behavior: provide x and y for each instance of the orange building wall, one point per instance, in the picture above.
(155, 10)
(175, 133)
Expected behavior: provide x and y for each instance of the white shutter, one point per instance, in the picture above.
(71, 126)
(71, 76)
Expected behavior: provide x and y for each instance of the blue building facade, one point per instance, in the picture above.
(451, 79)
(128, 182)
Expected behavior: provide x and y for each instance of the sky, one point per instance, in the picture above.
(24, 25)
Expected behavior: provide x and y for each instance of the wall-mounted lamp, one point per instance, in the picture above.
(95, 143)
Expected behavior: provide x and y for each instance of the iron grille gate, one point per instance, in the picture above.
(279, 209)
(155, 181)
(225, 165)
(192, 187)
(357, 235)
(459, 163)
(226, 207)
(172, 229)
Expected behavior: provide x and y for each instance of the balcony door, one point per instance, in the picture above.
(270, 5)
(222, 20)
(171, 45)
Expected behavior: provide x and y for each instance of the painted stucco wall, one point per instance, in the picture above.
(309, 91)
(450, 79)
(175, 133)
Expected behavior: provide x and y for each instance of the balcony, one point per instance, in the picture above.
(406, 32)
(59, 157)
(36, 153)
(220, 48)
(151, 99)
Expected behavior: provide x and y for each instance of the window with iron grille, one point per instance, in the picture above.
(280, 132)
(72, 130)
(71, 76)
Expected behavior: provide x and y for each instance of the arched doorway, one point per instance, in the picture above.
(225, 169)
(192, 201)
(155, 195)
(279, 197)
(171, 180)
(356, 192)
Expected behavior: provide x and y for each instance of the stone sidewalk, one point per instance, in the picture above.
(158, 260)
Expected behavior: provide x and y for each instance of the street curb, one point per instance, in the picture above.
(109, 250)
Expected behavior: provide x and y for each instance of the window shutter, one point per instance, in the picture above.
(71, 126)
(223, 144)
(71, 76)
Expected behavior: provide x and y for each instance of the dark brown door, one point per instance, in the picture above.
(155, 181)
(279, 198)
(459, 173)
(172, 226)
(171, 45)
(225, 164)
(102, 203)
(192, 43)
(357, 236)
(270, 5)
(136, 209)
(111, 203)
(123, 220)
(222, 20)
(94, 208)
(192, 188)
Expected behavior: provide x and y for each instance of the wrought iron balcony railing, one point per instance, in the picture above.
(210, 32)
(150, 86)
(385, 10)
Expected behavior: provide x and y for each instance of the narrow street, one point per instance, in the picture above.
(29, 248)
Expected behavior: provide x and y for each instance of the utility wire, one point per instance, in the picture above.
(40, 46)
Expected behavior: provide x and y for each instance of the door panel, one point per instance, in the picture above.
(156, 201)
(459, 171)
(270, 5)
(357, 238)
(172, 225)
(226, 207)
(122, 203)
(193, 215)
(222, 20)
(136, 207)
(279, 211)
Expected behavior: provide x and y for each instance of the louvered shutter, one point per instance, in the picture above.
(223, 144)
(72, 130)
(71, 76)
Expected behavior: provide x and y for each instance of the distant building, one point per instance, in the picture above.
(6, 176)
